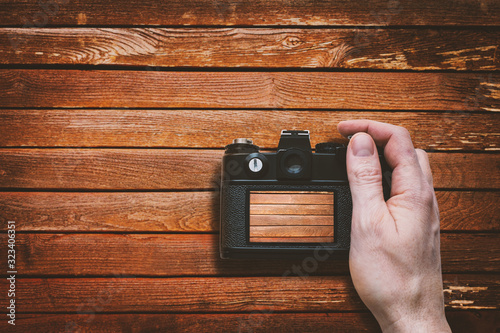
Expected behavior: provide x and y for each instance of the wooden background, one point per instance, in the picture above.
(113, 116)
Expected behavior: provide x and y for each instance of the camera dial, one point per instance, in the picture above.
(242, 146)
(243, 140)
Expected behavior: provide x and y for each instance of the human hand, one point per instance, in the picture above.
(394, 259)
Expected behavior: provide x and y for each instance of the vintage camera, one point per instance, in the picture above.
(288, 202)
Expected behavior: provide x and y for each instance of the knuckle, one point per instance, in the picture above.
(428, 196)
(367, 174)
(409, 154)
(421, 152)
(402, 131)
(425, 196)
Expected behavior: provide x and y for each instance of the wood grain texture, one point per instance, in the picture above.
(192, 295)
(455, 294)
(291, 198)
(198, 255)
(463, 321)
(115, 212)
(189, 295)
(270, 213)
(276, 220)
(110, 168)
(292, 233)
(414, 49)
(292, 209)
(312, 239)
(181, 79)
(189, 211)
(197, 128)
(473, 321)
(145, 255)
(223, 12)
(118, 169)
(244, 322)
(313, 90)
(469, 210)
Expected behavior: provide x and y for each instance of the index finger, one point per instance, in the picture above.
(398, 151)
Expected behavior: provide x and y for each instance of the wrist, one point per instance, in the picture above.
(435, 323)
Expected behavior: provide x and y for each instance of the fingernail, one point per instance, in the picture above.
(362, 145)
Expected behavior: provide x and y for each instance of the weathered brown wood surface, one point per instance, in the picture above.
(272, 294)
(197, 255)
(414, 49)
(323, 90)
(113, 116)
(460, 321)
(216, 128)
(254, 322)
(292, 209)
(225, 12)
(190, 211)
(162, 169)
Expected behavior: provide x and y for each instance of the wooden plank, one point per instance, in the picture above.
(473, 321)
(195, 128)
(314, 220)
(122, 212)
(291, 197)
(449, 169)
(146, 255)
(291, 209)
(313, 239)
(192, 295)
(198, 255)
(222, 12)
(292, 231)
(117, 169)
(190, 211)
(110, 168)
(188, 295)
(259, 322)
(322, 90)
(455, 293)
(454, 256)
(221, 322)
(469, 210)
(414, 49)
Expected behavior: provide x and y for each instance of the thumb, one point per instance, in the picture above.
(365, 176)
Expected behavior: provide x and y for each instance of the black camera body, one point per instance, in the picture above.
(289, 202)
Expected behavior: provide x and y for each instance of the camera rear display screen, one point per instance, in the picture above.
(291, 216)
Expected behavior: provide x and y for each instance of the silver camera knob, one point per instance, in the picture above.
(243, 140)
